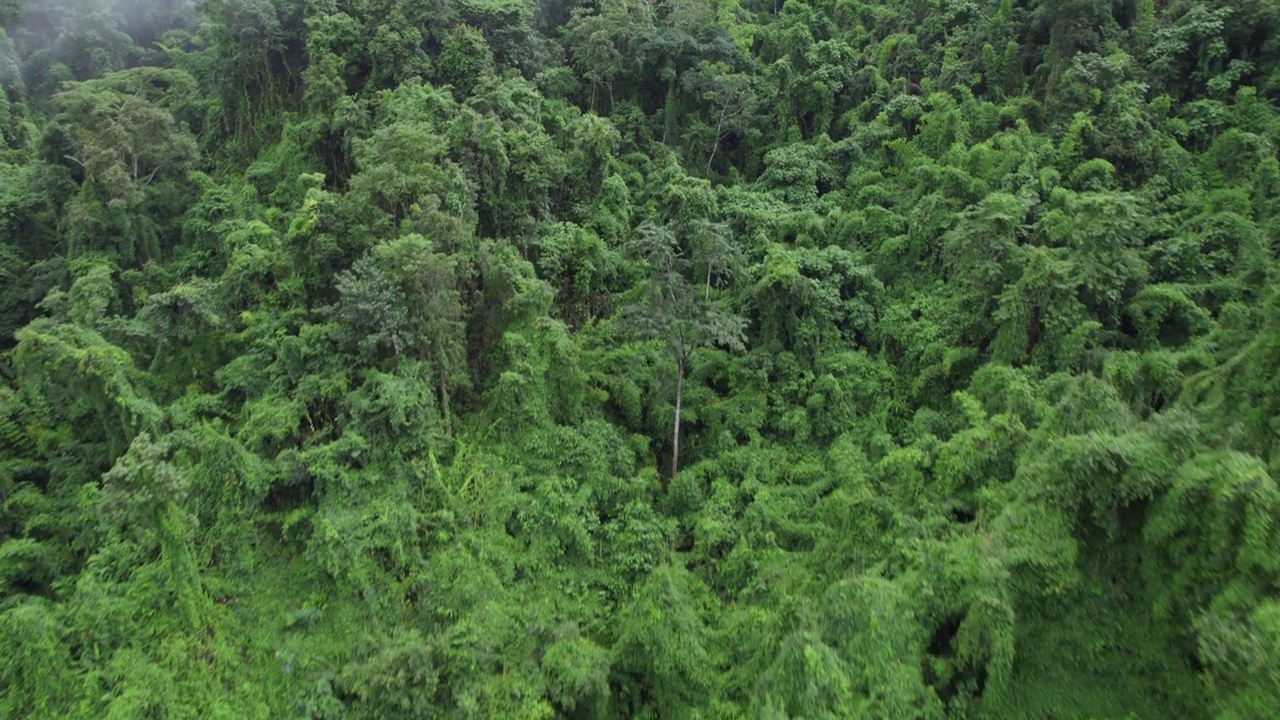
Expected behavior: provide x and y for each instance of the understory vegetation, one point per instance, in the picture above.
(655, 359)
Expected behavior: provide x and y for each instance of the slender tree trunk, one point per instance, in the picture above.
(669, 106)
(444, 403)
(444, 388)
(675, 440)
(715, 146)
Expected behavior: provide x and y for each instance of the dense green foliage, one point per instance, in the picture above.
(670, 359)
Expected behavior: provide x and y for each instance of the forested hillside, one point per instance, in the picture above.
(658, 359)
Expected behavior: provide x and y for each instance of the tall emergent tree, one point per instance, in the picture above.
(676, 304)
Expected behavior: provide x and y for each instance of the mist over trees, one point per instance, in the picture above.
(586, 359)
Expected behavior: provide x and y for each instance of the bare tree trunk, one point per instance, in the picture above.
(444, 386)
(444, 403)
(715, 147)
(669, 105)
(675, 441)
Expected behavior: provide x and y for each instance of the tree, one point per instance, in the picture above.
(402, 299)
(664, 640)
(677, 307)
(126, 143)
(143, 494)
(465, 59)
(733, 100)
(251, 47)
(123, 129)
